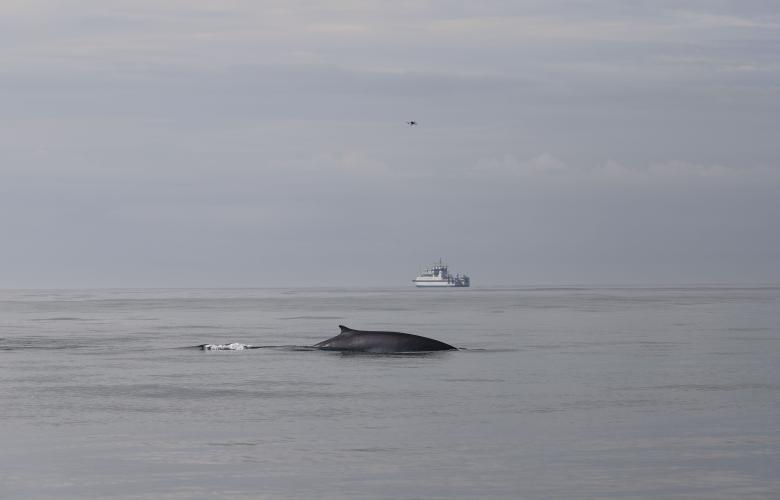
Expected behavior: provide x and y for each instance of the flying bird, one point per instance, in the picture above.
(411, 123)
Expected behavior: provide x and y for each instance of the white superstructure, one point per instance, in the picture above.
(438, 276)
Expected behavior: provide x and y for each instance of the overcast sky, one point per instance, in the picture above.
(263, 143)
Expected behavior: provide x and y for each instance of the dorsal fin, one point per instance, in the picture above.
(345, 329)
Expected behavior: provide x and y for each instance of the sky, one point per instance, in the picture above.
(249, 143)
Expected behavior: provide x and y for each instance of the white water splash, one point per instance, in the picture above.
(226, 347)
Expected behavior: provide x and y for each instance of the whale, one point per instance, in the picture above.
(380, 342)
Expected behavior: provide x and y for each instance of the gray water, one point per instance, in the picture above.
(557, 393)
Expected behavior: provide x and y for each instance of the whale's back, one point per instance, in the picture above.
(381, 342)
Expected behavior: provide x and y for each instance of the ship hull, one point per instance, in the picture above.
(435, 284)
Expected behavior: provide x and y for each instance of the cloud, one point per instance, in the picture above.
(544, 164)
(259, 127)
(349, 161)
(547, 167)
(676, 171)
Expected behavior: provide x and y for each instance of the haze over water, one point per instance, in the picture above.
(557, 393)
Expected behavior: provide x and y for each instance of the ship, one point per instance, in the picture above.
(438, 276)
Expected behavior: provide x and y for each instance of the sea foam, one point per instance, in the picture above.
(225, 347)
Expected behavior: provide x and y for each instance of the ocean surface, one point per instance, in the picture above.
(557, 393)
